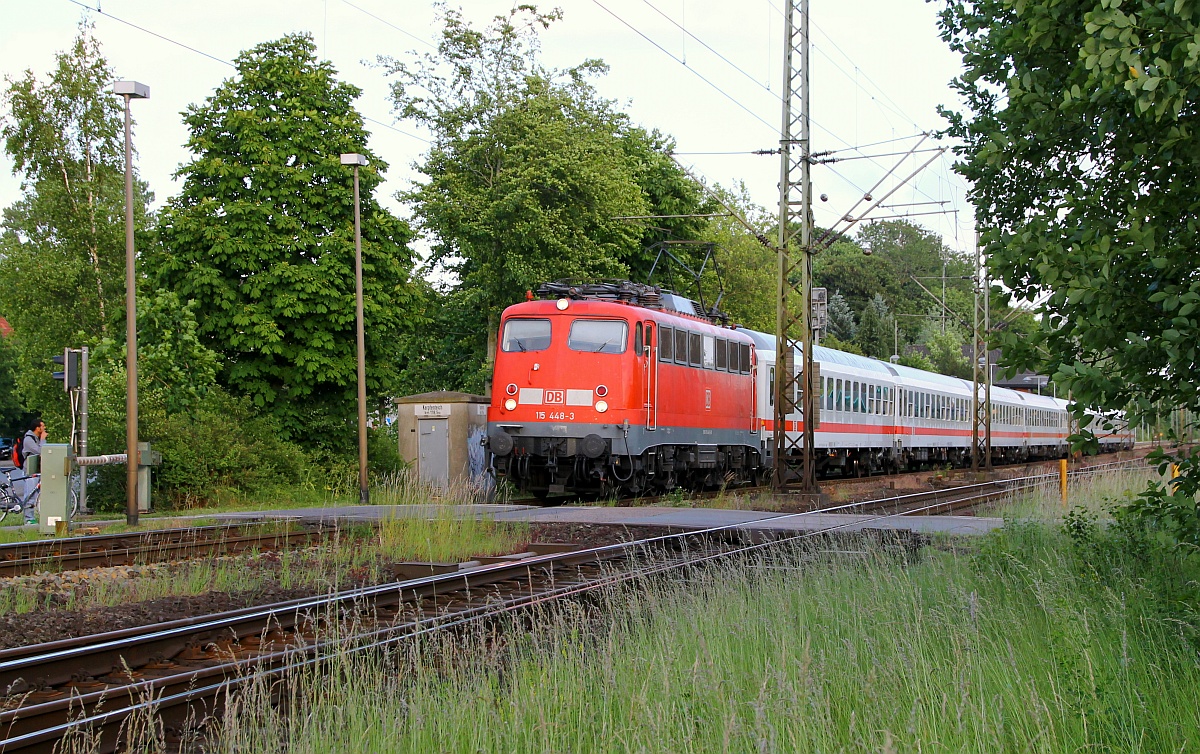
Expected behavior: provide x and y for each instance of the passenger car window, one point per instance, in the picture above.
(526, 335)
(598, 335)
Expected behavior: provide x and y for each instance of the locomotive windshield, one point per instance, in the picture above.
(526, 335)
(598, 335)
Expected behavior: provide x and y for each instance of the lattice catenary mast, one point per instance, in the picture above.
(795, 470)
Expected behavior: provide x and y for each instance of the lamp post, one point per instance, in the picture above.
(130, 90)
(358, 160)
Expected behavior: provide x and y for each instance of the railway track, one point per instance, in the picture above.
(72, 553)
(180, 670)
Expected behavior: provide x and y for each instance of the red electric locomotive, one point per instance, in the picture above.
(620, 388)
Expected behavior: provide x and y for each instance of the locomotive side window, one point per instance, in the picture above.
(733, 358)
(681, 346)
(637, 339)
(709, 352)
(694, 349)
(598, 335)
(649, 335)
(744, 360)
(526, 335)
(721, 361)
(666, 344)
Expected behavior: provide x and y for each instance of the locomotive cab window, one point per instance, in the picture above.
(666, 344)
(523, 335)
(694, 349)
(598, 335)
(637, 340)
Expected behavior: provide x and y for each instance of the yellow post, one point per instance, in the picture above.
(1062, 479)
(1174, 471)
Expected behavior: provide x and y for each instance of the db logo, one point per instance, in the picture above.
(556, 396)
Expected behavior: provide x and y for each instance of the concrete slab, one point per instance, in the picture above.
(678, 518)
(709, 518)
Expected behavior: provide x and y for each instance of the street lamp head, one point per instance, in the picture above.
(133, 89)
(354, 159)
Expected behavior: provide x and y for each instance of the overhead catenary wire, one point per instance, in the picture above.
(388, 126)
(391, 25)
(676, 58)
(222, 61)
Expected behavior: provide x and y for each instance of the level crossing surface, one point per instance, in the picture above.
(674, 518)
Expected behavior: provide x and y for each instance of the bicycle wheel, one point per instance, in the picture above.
(73, 486)
(8, 503)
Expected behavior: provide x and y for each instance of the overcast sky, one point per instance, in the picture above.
(878, 73)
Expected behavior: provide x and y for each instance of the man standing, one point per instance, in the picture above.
(31, 446)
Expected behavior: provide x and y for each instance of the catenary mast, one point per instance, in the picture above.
(794, 460)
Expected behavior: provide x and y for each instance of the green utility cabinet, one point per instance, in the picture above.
(54, 498)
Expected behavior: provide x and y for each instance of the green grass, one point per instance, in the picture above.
(1095, 493)
(1024, 640)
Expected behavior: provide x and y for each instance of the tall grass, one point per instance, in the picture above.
(1095, 493)
(1028, 640)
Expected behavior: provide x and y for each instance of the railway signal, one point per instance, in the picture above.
(69, 374)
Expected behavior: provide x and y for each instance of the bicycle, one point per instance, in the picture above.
(11, 502)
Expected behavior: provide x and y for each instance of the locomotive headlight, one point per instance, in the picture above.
(563, 304)
(602, 406)
(510, 404)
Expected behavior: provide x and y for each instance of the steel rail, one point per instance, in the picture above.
(72, 553)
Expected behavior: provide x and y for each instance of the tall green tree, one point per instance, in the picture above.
(841, 318)
(1079, 140)
(946, 350)
(876, 333)
(530, 171)
(747, 266)
(62, 245)
(262, 238)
